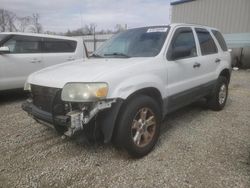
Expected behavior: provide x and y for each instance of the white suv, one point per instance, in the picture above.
(24, 53)
(123, 92)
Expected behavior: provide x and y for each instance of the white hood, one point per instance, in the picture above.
(88, 70)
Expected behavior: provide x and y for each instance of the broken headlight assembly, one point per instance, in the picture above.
(84, 92)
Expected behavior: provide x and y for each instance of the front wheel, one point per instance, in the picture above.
(219, 97)
(139, 126)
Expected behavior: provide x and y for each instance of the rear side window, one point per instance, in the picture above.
(182, 45)
(2, 37)
(23, 44)
(206, 41)
(220, 40)
(58, 45)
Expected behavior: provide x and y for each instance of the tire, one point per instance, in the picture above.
(219, 96)
(138, 126)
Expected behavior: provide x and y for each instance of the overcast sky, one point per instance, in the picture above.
(61, 15)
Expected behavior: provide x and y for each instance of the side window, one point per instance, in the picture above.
(58, 45)
(220, 40)
(182, 45)
(206, 41)
(23, 44)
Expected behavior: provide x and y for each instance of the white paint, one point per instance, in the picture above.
(15, 68)
(127, 75)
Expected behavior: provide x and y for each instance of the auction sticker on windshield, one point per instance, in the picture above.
(158, 29)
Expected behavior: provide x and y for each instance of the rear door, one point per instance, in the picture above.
(24, 58)
(224, 55)
(57, 51)
(209, 58)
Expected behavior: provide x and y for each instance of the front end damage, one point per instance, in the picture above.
(68, 118)
(77, 119)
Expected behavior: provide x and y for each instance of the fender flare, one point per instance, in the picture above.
(107, 120)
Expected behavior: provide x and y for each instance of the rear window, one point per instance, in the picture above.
(220, 40)
(206, 41)
(58, 45)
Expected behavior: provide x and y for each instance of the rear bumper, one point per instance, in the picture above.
(47, 117)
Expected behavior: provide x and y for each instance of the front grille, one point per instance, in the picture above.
(43, 97)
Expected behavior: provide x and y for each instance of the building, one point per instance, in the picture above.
(231, 17)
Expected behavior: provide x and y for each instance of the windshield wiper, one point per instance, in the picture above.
(96, 55)
(117, 54)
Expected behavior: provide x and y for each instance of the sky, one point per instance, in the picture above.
(61, 15)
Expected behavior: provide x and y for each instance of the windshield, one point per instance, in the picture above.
(140, 42)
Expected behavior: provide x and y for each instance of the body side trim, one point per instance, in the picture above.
(186, 97)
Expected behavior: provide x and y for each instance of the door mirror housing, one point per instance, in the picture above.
(4, 50)
(180, 52)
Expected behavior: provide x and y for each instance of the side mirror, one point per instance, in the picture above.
(180, 52)
(4, 50)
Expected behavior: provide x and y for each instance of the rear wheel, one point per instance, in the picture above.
(219, 97)
(139, 126)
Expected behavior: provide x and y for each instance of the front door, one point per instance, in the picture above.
(183, 68)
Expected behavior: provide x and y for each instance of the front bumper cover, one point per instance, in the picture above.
(106, 118)
(47, 117)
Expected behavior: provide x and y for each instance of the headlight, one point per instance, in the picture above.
(27, 87)
(84, 92)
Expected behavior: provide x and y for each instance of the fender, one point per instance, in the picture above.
(224, 64)
(131, 85)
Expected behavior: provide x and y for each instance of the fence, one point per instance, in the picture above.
(92, 42)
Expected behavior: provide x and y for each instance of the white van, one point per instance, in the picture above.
(24, 53)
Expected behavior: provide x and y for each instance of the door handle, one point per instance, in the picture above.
(70, 59)
(217, 60)
(35, 61)
(196, 65)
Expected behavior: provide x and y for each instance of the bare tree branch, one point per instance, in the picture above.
(36, 26)
(7, 20)
(24, 23)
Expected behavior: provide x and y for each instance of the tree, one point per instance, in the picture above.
(36, 26)
(68, 33)
(7, 20)
(89, 29)
(3, 22)
(24, 23)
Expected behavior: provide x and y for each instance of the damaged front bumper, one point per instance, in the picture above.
(75, 119)
(41, 115)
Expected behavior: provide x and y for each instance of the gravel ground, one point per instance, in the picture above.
(197, 148)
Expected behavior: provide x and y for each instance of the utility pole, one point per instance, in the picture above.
(94, 38)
